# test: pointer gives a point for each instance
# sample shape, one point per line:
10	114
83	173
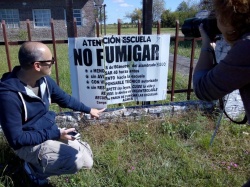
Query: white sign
118	69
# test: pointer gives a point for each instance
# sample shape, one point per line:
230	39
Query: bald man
30	128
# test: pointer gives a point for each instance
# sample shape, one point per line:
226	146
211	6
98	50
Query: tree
182	7
186	9
189	5
99	12
134	16
158	9
168	19
206	5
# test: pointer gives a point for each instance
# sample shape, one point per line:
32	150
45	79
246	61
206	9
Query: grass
173	151
170	151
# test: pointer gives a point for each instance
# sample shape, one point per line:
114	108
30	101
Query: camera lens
190	28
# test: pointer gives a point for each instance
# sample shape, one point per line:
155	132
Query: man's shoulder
48	78
10	85
49	81
246	36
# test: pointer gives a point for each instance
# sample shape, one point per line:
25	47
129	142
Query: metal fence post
175	59
54	49
6	43
28	29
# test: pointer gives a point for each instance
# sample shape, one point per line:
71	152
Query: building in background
40	12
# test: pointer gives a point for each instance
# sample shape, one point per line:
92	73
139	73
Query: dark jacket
25	118
232	73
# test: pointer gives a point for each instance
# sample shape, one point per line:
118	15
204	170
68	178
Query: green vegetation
168	17
173	151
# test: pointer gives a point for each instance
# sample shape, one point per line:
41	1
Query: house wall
58	8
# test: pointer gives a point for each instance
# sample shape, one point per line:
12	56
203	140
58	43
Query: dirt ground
182	66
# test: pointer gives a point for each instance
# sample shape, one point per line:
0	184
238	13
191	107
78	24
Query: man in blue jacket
30	128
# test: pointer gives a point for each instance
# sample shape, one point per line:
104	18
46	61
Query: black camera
190	27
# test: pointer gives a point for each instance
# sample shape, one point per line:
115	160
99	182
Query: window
77	13
41	17
11	17
78	16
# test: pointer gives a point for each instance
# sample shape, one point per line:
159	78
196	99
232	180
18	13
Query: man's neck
27	77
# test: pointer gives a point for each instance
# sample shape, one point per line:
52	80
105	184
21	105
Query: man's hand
95	112
64	134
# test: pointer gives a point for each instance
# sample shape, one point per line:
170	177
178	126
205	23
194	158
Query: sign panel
118	69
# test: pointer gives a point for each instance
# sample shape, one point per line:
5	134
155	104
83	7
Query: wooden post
147	14
70	18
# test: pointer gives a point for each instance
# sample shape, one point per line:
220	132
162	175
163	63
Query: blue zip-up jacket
25	118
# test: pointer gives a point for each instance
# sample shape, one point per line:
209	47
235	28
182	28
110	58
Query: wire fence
176	38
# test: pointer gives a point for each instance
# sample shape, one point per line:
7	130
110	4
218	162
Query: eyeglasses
52	61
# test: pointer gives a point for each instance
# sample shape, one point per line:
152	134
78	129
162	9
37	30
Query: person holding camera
212	81
30	128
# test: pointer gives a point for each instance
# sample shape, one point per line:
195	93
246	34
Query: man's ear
37	66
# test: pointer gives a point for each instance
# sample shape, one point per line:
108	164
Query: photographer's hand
206	58
207	44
